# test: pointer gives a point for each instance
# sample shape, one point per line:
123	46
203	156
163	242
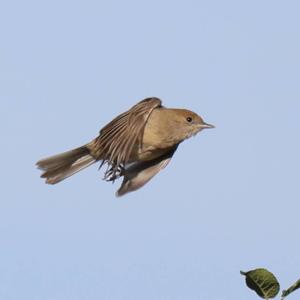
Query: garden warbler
135	145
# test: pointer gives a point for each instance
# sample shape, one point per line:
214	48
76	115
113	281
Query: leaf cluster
265	284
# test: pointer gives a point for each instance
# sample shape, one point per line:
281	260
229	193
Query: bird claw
115	172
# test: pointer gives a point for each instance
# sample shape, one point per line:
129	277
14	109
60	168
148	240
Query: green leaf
291	289
263	282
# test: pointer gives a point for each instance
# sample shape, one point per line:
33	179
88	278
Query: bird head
188	123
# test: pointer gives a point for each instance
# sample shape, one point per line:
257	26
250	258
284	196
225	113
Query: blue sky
229	200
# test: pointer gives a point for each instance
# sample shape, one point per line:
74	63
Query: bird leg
114	172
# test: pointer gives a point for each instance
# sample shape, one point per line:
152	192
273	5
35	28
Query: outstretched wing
118	138
138	174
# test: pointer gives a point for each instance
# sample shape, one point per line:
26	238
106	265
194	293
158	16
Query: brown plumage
136	145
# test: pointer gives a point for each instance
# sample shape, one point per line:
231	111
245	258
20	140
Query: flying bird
135	145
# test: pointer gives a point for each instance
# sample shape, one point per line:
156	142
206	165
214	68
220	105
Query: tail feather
61	166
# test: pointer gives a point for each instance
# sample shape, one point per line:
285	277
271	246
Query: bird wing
118	138
138	174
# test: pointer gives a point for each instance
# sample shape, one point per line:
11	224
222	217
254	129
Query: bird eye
189	119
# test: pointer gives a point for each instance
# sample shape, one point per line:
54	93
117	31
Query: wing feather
138	174
118	138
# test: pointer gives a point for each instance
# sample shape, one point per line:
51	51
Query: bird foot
114	173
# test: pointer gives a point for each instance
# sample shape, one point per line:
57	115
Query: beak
205	125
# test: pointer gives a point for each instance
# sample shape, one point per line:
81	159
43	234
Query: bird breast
157	138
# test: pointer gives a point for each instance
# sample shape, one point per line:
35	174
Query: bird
135	145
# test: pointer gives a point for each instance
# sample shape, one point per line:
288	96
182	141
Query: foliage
265	284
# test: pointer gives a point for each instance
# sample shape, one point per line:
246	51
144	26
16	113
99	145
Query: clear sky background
228	201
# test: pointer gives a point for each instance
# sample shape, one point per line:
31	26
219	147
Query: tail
61	166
